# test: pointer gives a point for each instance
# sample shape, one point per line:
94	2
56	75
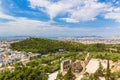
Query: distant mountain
50	37
83	37
89	36
13	37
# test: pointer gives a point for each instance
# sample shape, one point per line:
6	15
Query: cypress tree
108	70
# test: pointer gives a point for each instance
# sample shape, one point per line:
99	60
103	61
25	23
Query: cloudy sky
59	18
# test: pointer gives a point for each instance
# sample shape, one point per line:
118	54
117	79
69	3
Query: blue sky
59	18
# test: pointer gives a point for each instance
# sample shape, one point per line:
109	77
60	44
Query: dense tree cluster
68	76
40	45
44	45
25	73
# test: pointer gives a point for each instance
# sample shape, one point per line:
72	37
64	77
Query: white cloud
89	11
78	10
113	13
3	15
70	20
52	9
117	2
26	27
23	26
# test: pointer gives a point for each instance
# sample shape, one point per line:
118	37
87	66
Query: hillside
41	45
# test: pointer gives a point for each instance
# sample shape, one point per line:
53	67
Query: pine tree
59	76
69	75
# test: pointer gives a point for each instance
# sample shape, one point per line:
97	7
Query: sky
59	18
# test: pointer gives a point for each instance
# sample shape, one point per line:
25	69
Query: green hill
41	45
